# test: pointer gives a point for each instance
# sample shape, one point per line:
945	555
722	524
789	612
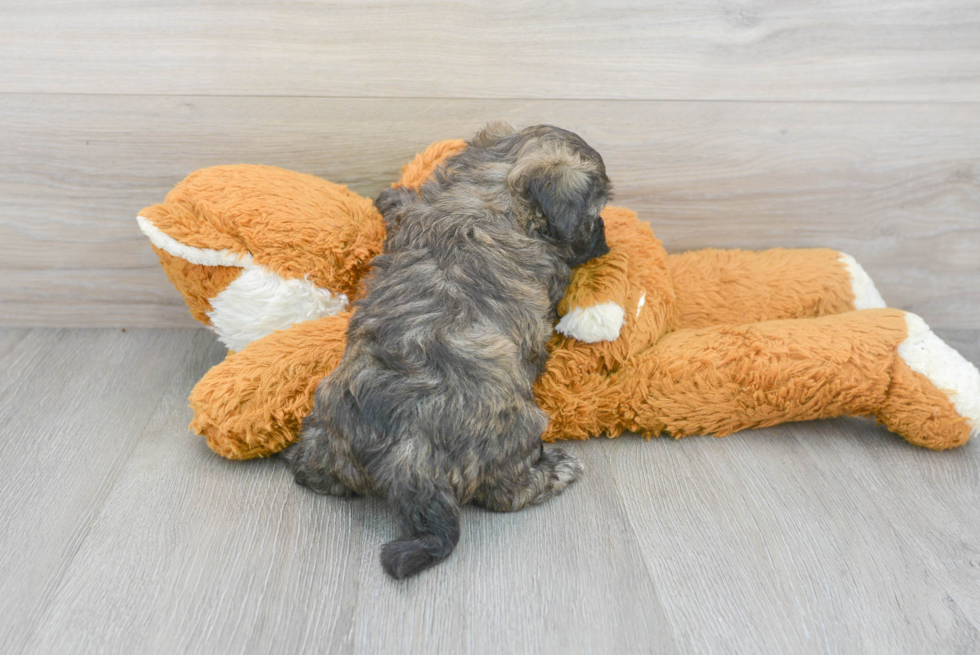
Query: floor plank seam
907	548
54	585
550	99
14	357
621	503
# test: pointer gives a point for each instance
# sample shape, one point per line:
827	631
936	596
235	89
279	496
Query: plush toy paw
934	397
252	404
601	322
866	295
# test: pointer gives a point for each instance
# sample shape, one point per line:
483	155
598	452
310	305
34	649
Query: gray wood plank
895	185
123	533
10	339
72	406
565	577
931	499
93	297
930	502
658	49
191	553
762	544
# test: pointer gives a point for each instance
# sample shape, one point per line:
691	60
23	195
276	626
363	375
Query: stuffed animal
705	342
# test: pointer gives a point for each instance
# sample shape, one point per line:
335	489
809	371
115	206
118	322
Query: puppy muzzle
594	245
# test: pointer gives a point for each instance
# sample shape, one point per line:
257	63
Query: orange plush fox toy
705	342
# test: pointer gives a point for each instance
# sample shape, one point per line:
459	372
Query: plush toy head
219	235
221	248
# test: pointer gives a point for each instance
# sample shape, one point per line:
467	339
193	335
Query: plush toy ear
417	171
255	249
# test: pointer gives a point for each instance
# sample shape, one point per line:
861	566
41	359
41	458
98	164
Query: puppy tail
431	520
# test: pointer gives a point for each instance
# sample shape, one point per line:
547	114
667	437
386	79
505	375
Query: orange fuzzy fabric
917	410
417	171
300	226
740	286
252	404
712	341
722	379
198	284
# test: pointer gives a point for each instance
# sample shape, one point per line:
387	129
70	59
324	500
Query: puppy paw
559	469
563	467
306	471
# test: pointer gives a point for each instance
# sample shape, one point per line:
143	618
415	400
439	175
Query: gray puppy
432	404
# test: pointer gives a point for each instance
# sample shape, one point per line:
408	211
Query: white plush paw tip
601	322
866	295
947	369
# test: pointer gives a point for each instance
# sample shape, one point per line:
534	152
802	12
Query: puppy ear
562	191
492	133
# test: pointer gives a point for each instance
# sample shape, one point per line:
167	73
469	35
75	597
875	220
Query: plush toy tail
431	519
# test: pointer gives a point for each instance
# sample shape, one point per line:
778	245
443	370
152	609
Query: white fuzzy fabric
866	295
202	256
600	322
929	355
260	302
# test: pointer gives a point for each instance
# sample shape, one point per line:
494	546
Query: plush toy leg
728	287
882	363
934	397
252	404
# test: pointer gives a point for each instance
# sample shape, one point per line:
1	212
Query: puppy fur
432	404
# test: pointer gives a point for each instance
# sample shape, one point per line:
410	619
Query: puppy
432	404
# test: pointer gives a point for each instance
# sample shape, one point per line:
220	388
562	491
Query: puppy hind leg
391	202
429	517
309	461
531	483
394	198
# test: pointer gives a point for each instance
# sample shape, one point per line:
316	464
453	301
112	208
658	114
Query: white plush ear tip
201	256
866	295
601	322
256	303
946	368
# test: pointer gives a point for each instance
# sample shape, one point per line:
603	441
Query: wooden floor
122	533
736	124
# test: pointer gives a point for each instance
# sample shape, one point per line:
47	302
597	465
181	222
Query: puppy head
563	180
